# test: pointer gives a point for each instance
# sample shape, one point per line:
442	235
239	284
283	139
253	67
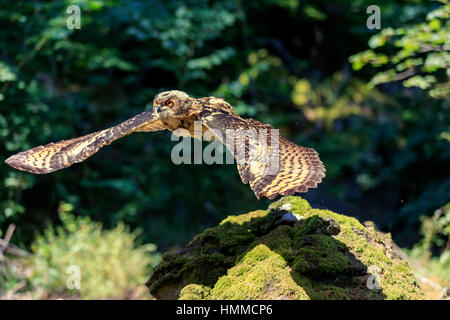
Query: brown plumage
296	168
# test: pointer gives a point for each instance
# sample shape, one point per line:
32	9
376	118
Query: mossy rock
289	251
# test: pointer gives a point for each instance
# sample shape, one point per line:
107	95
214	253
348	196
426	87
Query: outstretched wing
62	154
297	168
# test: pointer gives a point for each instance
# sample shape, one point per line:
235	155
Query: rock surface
289	251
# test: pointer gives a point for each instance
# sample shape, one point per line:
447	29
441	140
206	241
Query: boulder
289	251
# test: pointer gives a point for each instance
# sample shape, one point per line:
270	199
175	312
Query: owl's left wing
62	154
291	169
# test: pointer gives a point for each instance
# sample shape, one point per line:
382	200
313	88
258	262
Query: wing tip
17	162
14	161
303	188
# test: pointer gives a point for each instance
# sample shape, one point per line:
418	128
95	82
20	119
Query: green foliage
436	236
432	253
436	231
109	261
418	55
385	149
58	83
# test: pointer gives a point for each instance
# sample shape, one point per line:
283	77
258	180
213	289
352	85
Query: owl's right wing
281	167
62	154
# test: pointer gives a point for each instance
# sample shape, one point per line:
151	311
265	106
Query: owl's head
172	103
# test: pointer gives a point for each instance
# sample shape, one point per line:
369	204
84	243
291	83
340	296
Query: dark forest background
373	103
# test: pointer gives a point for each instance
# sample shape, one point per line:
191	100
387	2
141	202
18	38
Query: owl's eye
169	103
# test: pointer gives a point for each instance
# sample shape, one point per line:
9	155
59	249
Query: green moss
195	292
260	274
241	219
293	204
324	255
280	240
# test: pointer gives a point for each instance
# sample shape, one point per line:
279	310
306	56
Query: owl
297	168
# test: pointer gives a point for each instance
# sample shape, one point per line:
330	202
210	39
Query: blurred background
373	103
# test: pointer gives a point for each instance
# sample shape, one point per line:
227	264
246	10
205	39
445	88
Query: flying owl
298	168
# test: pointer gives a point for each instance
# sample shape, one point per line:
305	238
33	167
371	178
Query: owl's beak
162	111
